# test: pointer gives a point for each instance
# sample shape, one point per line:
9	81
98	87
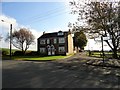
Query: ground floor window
62	49
42	50
62	40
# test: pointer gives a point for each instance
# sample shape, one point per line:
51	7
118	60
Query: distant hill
8	50
13	50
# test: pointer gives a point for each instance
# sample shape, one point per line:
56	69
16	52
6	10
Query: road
68	73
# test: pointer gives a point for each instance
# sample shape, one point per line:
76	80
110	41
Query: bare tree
22	39
103	19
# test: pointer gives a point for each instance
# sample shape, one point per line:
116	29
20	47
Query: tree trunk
115	54
22	49
27	46
114	48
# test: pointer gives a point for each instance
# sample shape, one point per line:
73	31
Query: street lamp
10	37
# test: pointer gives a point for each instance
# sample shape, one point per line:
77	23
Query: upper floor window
42	41
60	33
61	40
48	41
55	40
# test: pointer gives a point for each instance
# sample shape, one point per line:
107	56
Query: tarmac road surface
67	73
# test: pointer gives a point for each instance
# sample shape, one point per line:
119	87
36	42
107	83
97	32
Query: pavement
72	72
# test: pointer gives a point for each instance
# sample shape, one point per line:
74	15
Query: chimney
69	31
44	32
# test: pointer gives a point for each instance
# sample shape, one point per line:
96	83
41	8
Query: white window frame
48	41
42	50
42	41
62	49
55	40
61	40
60	33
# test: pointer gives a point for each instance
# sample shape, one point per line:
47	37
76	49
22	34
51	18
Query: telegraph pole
102	50
10	40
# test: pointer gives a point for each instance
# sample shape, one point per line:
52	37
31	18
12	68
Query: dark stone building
56	43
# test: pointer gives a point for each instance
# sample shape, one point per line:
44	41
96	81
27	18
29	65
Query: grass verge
36	58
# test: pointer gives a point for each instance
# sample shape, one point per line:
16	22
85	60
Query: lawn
7	57
36	57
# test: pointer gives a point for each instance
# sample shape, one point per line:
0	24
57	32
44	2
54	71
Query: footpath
84	59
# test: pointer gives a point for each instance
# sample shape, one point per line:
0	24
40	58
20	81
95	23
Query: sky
49	16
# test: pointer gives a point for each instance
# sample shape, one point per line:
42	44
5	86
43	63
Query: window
55	40
52	47
48	41
61	40
42	41
60	33
42	50
61	49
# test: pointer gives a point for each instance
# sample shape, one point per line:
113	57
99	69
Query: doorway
51	50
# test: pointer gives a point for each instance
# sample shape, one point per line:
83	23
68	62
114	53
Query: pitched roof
54	34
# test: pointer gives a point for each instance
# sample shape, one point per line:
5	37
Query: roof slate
54	34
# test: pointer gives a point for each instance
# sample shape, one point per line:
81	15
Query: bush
18	53
31	53
27	53
5	52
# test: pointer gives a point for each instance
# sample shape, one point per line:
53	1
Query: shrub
5	52
31	53
18	53
27	53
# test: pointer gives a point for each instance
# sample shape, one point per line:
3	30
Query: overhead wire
54	11
50	11
48	17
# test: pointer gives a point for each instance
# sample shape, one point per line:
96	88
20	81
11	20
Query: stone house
56	43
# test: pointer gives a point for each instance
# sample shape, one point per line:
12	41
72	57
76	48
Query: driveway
68	73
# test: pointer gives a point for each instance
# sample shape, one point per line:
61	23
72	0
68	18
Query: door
53	49
49	50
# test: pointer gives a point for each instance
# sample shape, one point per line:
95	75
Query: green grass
31	57
98	54
36	57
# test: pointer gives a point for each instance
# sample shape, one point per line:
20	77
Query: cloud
5	28
7	21
4	44
37	34
94	45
